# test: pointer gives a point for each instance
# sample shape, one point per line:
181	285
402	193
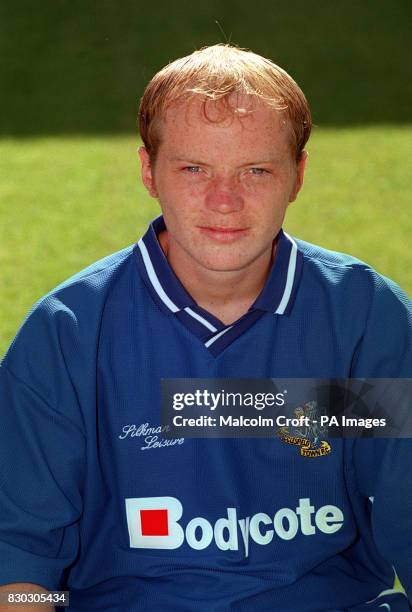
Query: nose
224	194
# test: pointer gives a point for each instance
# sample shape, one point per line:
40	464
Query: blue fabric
80	408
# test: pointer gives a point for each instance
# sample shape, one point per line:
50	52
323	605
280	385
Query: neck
226	294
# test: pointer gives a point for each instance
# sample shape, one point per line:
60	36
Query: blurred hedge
79	66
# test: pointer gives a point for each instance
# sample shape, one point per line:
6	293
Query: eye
258	171
192	169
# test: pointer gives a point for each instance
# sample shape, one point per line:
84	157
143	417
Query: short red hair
215	73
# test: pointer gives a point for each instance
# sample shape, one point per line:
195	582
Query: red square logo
154	522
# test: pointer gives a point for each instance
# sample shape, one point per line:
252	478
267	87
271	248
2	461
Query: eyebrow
188	160
202	163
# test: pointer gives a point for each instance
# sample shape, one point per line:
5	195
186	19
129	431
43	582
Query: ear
147	172
300	172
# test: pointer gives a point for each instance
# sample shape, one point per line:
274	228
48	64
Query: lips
225	229
224	234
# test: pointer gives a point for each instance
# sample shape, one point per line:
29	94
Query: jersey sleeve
385	349
383	473
42	453
384	466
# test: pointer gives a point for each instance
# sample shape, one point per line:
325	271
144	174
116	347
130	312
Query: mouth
224	234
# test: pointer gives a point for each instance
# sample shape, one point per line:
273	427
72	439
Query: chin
223	264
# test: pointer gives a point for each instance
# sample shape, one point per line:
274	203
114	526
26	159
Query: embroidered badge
308	433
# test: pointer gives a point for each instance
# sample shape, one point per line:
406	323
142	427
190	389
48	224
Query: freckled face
223	186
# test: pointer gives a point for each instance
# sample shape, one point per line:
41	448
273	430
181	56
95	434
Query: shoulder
96	277
371	304
325	259
68	317
340	271
88	288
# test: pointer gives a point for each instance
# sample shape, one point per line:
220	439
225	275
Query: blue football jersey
95	499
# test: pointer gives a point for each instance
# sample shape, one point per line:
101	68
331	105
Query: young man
93	498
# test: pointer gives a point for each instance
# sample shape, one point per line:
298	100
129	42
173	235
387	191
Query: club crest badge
307	433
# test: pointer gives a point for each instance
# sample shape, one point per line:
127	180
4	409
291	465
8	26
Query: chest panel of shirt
203	474
140	345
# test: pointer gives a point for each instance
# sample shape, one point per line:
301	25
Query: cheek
267	187
180	208
264	191
181	189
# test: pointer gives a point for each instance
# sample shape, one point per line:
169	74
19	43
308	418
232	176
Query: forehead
241	124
